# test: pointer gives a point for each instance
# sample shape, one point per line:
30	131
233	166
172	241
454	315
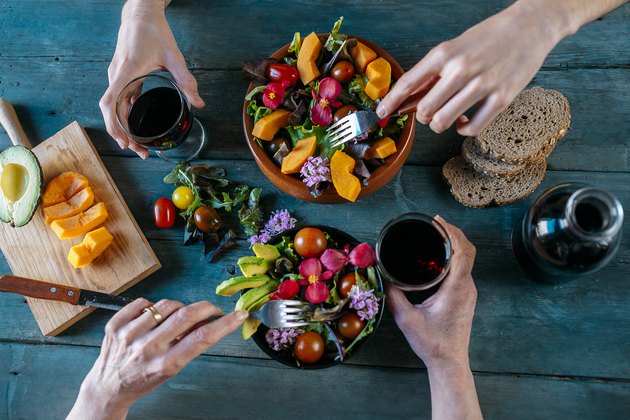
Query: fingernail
242	315
120	143
380	111
438	218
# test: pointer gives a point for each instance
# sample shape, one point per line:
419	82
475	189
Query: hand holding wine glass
145	44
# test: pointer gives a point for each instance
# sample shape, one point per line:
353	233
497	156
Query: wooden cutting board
35	251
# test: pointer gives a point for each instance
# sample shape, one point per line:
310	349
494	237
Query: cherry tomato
350	325
343	71
182	197
164	213
207	219
281	72
344	111
310	242
346	282
309	347
274	145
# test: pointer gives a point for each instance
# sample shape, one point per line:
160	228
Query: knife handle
11	124
39	289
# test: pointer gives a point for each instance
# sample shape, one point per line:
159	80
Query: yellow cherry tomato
182	197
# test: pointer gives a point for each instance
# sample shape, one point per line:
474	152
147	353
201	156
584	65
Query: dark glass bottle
570	230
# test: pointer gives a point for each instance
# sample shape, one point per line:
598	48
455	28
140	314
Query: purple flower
316	170
261	238
279	338
280	221
364	302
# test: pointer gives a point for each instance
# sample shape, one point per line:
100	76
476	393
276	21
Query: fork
357	123
283	313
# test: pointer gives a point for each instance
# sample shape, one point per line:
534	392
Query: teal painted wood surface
538	351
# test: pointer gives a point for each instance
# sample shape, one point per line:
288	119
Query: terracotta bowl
294	186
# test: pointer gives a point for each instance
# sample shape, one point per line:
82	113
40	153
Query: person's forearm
135	8
453	394
95	404
570	15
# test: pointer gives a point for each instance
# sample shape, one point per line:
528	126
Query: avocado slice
252	296
250	326
20	185
266	251
233	285
250	266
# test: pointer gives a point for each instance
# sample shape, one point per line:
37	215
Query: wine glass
153	112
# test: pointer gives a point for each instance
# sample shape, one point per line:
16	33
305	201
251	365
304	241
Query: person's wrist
143	8
101	402
554	19
447	364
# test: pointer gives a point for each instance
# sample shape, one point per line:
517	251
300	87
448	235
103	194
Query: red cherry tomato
309	347
350	325
343	71
310	242
346	282
282	72
164	213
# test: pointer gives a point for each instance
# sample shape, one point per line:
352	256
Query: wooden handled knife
62	293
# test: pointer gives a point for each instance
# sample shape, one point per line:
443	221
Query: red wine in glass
154	113
413	251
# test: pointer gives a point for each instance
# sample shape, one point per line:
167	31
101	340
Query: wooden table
537	351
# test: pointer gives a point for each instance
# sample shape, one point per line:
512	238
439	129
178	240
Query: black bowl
341	238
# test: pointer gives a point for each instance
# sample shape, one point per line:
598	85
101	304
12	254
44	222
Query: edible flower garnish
315	171
279	221
334	260
364	301
312	275
287	290
279	338
362	256
321	113
273	94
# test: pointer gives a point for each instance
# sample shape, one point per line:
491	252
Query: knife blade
62	293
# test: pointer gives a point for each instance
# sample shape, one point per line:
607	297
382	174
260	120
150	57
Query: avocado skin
38	178
250	266
252	296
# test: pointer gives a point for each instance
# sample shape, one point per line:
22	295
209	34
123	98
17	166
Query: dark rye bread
528	130
485	164
473	189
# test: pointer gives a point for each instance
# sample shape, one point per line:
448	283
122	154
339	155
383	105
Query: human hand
489	64
138	354
438	329
145	44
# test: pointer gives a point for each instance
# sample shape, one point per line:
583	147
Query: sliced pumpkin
62	187
362	55
293	162
307	57
81	223
379	75
267	127
381	148
347	185
79	202
93	245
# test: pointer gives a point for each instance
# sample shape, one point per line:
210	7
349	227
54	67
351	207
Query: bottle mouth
594	213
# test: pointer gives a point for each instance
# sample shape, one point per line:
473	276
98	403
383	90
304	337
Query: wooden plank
198	25
213	387
520	326
35	251
599	139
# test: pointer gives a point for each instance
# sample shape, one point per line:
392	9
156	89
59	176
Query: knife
50	291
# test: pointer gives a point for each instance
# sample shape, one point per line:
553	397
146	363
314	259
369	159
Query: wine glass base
190	148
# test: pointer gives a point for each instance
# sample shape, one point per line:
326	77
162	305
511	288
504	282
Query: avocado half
20	185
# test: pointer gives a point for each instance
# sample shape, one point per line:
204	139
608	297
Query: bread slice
528	130
485	164
473	189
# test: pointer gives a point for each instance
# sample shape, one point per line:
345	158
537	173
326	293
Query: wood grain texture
225	388
34	251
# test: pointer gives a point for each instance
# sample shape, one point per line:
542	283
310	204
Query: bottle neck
592	214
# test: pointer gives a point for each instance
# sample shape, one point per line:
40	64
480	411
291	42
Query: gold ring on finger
156	314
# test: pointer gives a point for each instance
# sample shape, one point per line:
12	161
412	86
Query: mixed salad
318	267
320	81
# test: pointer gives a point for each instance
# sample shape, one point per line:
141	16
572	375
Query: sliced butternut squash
347	185
362	55
381	148
93	245
81	223
62	187
306	63
293	162
267	127
379	74
79	202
